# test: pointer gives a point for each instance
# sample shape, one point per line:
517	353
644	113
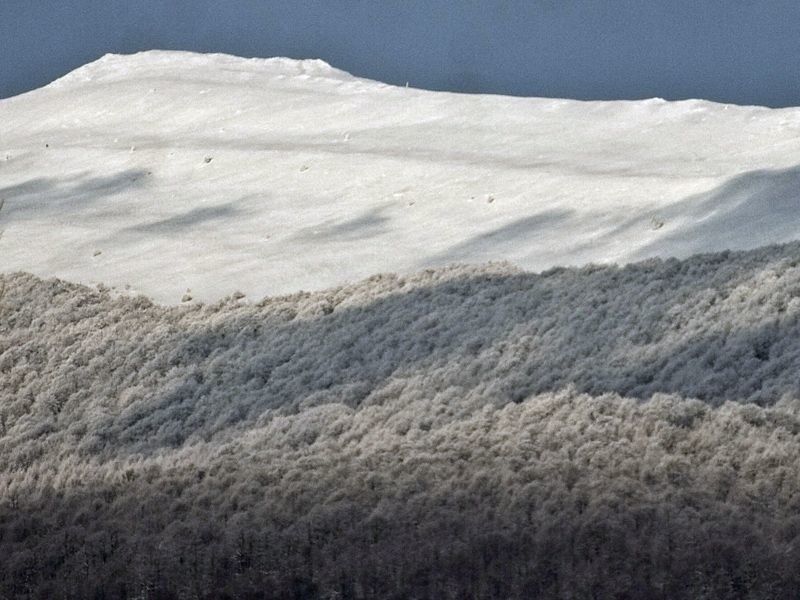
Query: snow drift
169	171
475	431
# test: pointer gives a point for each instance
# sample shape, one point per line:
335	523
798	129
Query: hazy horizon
618	50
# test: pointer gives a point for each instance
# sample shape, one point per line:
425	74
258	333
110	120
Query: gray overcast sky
739	51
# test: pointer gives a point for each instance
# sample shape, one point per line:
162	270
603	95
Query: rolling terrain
545	349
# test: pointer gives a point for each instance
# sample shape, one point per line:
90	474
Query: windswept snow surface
168	171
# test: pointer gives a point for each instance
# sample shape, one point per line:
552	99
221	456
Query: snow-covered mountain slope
170	171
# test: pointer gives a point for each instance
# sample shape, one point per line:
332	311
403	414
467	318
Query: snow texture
166	170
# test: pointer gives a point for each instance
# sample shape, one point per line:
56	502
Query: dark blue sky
739	51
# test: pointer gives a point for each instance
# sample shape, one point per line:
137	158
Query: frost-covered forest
496	386
465	432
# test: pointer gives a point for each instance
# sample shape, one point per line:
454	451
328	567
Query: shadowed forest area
466	432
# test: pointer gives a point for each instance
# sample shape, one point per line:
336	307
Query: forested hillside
467	432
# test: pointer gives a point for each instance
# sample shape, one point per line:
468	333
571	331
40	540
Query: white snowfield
171	171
